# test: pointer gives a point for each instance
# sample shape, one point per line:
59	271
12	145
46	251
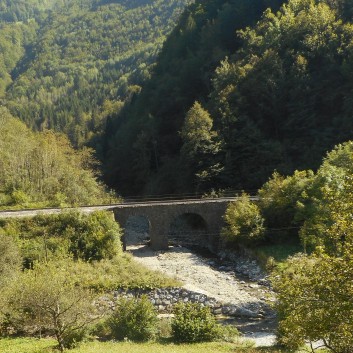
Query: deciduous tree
49	299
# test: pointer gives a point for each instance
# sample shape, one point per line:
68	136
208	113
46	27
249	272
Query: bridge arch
189	229
137	229
161	215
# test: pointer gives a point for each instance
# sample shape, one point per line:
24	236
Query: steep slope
86	58
279	98
144	139
42	169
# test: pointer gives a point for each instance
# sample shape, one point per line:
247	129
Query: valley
244	106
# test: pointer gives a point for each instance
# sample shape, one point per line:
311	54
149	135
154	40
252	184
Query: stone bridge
161	214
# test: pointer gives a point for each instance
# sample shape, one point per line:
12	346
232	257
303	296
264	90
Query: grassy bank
272	255
32	345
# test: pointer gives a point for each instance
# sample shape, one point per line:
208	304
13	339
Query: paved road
126	204
34	212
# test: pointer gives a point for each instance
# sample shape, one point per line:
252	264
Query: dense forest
240	88
267	86
66	65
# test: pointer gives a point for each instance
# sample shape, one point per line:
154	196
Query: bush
74	337
194	323
134	319
328	211
10	265
19	197
228	333
282	200
90	237
315	302
95	236
49	299
10	259
244	222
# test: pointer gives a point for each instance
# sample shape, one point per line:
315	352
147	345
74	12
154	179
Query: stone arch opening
189	230
137	230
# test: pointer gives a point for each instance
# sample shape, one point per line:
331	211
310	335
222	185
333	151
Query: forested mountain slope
144	151
67	64
273	91
42	169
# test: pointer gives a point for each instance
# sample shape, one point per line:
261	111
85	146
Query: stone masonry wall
164	300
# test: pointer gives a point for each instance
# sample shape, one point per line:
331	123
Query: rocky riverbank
236	290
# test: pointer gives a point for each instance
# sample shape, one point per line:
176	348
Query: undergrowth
31	345
275	255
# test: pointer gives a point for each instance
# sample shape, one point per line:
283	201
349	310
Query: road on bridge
125	204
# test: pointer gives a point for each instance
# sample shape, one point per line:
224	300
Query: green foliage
43	169
10	260
194	323
120	272
203	36
314	302
244	222
49	299
20	198
197	132
90	237
17	10
134	319
10	266
74	338
272	256
281	202
34	345
200	146
272	99
328	207
314	294
70	64
228	333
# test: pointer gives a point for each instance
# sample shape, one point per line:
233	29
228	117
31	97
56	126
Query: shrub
134	319
228	333
329	208
95	236
315	302
194	323
19	197
74	337
244	222
10	265
49	299
90	237
282	200
10	259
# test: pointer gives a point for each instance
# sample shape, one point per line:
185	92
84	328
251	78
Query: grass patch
27	345
32	345
275	255
124	272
